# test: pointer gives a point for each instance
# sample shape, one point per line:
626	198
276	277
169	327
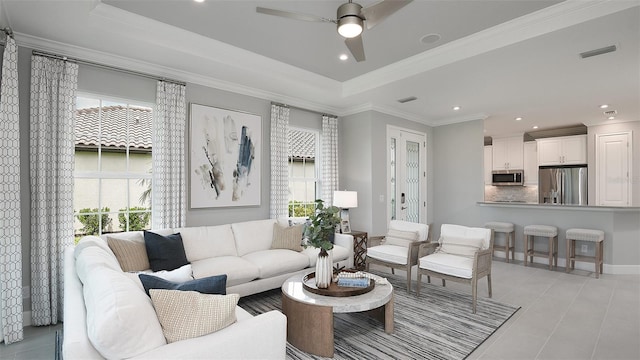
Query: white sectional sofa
107	313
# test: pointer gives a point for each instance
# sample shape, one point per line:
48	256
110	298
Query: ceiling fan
350	19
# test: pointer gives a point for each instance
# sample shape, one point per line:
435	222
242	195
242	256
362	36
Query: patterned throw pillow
131	254
460	246
401	237
287	237
188	314
165	252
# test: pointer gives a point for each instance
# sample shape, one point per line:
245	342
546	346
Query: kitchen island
621	226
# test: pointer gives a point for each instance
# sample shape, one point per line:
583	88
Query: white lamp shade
345	199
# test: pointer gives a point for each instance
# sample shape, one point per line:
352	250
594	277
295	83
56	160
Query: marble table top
379	296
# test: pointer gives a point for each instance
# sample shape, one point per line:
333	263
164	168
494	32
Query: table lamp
345	200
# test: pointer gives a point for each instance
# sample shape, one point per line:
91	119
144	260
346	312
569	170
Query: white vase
324	269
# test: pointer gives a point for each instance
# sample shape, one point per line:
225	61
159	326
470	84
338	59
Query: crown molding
544	21
460	119
37	43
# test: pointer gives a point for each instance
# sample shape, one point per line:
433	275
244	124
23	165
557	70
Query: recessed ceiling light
611	117
518	118
535	126
456	108
604	106
199	1
343	57
430	38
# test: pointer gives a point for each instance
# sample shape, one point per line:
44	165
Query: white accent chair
462	254
400	247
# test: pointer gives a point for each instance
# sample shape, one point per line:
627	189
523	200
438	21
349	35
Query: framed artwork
224	154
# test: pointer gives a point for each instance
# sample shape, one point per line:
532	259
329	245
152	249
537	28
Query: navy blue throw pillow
209	285
165	252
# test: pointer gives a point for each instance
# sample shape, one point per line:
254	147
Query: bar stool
547	231
510	237
595	236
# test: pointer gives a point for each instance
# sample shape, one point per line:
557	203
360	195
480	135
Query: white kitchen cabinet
488	167
507	153
530	159
613	164
564	150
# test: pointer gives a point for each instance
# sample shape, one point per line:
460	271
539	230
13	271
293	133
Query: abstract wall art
225	152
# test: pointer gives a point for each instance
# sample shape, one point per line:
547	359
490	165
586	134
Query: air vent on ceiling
604	50
407	99
610	112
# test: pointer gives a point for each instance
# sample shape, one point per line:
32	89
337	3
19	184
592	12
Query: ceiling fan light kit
349	22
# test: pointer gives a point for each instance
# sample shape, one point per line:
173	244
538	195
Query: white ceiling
496	59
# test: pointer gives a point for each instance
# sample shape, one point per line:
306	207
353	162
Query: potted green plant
319	233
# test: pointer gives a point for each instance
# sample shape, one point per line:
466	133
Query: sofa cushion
121	321
459	246
251	236
165	252
208	285
338	253
459	266
238	270
275	262
389	253
401	237
287	237
188	314
90	241
131	254
204	242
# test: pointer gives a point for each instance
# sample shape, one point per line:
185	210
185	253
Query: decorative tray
309	284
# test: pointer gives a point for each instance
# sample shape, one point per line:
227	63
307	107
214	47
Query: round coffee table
310	316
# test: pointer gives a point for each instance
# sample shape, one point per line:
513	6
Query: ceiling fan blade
290	15
356	48
375	13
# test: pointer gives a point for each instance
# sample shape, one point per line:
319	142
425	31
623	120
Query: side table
359	248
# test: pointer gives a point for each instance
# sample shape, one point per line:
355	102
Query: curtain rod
303	109
107	67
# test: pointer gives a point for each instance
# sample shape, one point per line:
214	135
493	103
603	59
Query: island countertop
538	206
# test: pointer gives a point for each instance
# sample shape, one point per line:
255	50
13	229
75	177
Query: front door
406	175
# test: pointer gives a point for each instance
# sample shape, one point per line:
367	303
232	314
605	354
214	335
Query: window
113	144
303	171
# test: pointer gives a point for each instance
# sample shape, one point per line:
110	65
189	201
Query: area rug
438	325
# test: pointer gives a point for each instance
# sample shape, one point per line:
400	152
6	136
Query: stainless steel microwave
507	177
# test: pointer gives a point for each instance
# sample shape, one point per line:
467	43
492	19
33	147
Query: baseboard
606	269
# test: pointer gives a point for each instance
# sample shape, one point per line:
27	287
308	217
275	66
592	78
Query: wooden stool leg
551	253
568	252
526	249
555	254
513	245
573	254
507	245
601	256
598	254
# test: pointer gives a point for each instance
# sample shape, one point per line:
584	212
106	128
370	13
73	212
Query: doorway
406	175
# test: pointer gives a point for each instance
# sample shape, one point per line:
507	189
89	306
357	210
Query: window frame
100	175
317	164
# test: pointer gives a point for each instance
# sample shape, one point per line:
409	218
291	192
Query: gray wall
363	164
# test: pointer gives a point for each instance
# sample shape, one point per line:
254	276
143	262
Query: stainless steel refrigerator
562	184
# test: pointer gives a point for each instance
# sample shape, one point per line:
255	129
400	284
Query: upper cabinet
507	153
530	163
565	150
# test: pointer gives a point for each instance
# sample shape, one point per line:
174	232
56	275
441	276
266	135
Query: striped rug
438	325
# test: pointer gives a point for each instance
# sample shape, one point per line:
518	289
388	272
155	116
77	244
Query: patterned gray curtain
169	189
53	101
279	162
329	158
10	234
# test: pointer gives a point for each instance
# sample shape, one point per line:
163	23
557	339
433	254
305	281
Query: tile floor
563	316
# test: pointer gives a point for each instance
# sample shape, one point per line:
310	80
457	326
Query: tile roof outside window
114	127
